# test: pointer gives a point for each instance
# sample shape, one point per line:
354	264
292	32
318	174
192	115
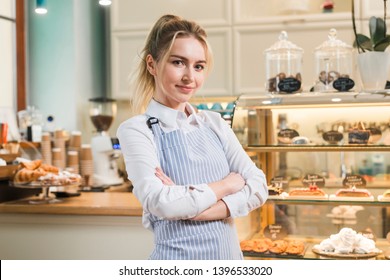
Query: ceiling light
40	7
105	2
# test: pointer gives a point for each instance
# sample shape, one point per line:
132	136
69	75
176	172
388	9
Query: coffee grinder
102	112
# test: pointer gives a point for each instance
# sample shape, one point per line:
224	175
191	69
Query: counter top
88	203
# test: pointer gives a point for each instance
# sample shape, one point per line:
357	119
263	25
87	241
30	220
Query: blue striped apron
192	158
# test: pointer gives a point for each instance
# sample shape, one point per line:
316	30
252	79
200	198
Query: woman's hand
232	183
164	178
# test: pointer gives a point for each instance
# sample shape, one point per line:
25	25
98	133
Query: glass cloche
283	66
333	65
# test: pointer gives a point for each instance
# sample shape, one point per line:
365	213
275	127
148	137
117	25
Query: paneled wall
239	32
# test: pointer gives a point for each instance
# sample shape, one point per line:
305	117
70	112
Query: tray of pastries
266	247
347	244
33	174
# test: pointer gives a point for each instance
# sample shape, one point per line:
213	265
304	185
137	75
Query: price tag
343	84
313	180
275	232
332	136
279	181
289	85
354	181
285	135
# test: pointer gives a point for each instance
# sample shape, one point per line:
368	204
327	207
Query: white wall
7	54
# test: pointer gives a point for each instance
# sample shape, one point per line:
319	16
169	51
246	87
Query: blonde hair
158	44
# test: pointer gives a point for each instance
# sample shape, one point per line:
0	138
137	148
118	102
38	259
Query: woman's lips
185	89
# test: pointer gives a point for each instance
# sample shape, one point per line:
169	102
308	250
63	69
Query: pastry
274	190
50	168
310	191
31	165
386	194
278	246
295	247
62	178
247	245
262	245
347	241
353	192
24	175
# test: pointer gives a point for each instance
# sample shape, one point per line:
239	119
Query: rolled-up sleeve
140	156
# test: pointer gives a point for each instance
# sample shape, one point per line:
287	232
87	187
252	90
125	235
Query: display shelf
266	124
317	148
384	248
290	201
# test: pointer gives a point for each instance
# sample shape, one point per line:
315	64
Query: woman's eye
177	62
199	67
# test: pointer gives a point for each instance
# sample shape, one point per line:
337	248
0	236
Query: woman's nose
188	75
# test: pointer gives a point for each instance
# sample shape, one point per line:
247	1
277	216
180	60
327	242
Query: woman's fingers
163	177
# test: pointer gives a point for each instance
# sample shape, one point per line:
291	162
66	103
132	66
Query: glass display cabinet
327	161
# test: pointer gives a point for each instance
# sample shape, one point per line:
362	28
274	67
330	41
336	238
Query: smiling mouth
185	89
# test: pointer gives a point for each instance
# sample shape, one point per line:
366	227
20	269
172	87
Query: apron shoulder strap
154	125
151	121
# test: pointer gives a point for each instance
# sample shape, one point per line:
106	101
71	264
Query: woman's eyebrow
185	59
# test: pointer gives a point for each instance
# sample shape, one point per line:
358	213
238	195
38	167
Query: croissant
25	175
49	168
31	165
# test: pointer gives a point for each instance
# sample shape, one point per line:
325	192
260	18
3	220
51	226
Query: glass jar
333	65
283	66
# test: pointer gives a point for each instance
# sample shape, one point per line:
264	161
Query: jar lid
283	44
333	43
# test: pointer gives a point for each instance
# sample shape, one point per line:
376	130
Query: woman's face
182	75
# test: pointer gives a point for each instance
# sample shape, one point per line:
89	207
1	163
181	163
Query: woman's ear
151	65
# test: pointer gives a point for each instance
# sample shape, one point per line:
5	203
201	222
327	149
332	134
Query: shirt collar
166	115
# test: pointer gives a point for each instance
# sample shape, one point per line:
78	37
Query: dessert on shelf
346	242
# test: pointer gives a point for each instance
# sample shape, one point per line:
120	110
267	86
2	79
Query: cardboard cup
73	158
46	137
86	152
75	140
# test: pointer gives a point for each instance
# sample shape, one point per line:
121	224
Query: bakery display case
327	161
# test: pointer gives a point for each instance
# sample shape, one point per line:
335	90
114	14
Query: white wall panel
7	8
133	15
373	8
126	49
264	11
220	82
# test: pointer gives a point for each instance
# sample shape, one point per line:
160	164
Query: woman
188	169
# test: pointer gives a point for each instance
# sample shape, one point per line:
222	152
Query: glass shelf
317	148
284	201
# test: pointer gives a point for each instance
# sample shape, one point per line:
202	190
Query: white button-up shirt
183	202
